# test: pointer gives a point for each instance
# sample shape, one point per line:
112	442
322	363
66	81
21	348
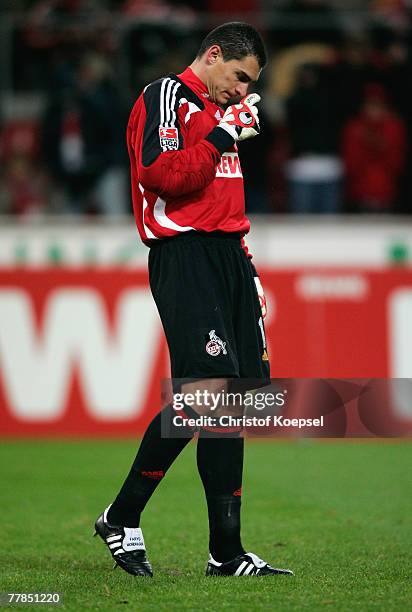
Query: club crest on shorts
215	345
169	138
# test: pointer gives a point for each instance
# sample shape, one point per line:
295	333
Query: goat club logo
215	345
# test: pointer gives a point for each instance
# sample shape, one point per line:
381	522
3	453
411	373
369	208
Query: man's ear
213	54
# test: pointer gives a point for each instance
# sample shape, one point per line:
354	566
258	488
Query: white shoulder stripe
168	91
161	106
172	105
169	88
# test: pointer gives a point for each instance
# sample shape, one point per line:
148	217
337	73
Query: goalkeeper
188	201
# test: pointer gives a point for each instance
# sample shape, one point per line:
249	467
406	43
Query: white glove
241	120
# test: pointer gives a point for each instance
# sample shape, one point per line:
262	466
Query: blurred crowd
336	110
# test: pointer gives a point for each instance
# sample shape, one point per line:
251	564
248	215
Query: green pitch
338	513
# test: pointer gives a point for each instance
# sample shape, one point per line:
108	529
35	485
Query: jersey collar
190	79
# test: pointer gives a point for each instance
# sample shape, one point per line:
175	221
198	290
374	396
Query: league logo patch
169	138
215	345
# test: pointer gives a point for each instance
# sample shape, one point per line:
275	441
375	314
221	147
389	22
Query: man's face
231	79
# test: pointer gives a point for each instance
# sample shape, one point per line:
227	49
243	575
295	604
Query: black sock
220	464
155	455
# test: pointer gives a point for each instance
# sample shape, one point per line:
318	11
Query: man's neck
199	70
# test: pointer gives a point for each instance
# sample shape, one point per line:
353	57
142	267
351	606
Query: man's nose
241	89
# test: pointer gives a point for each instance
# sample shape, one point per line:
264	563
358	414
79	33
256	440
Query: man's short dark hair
236	40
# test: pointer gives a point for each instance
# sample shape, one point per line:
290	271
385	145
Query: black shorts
204	289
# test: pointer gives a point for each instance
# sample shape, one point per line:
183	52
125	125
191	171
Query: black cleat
126	545
247	564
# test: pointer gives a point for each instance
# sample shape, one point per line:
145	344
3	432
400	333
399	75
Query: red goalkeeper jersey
185	171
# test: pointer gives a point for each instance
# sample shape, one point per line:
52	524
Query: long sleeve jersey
185	170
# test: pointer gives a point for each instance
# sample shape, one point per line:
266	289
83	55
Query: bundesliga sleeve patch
169	138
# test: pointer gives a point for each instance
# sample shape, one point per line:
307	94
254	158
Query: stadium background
328	189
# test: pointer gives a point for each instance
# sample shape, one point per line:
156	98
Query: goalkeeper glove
241	120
